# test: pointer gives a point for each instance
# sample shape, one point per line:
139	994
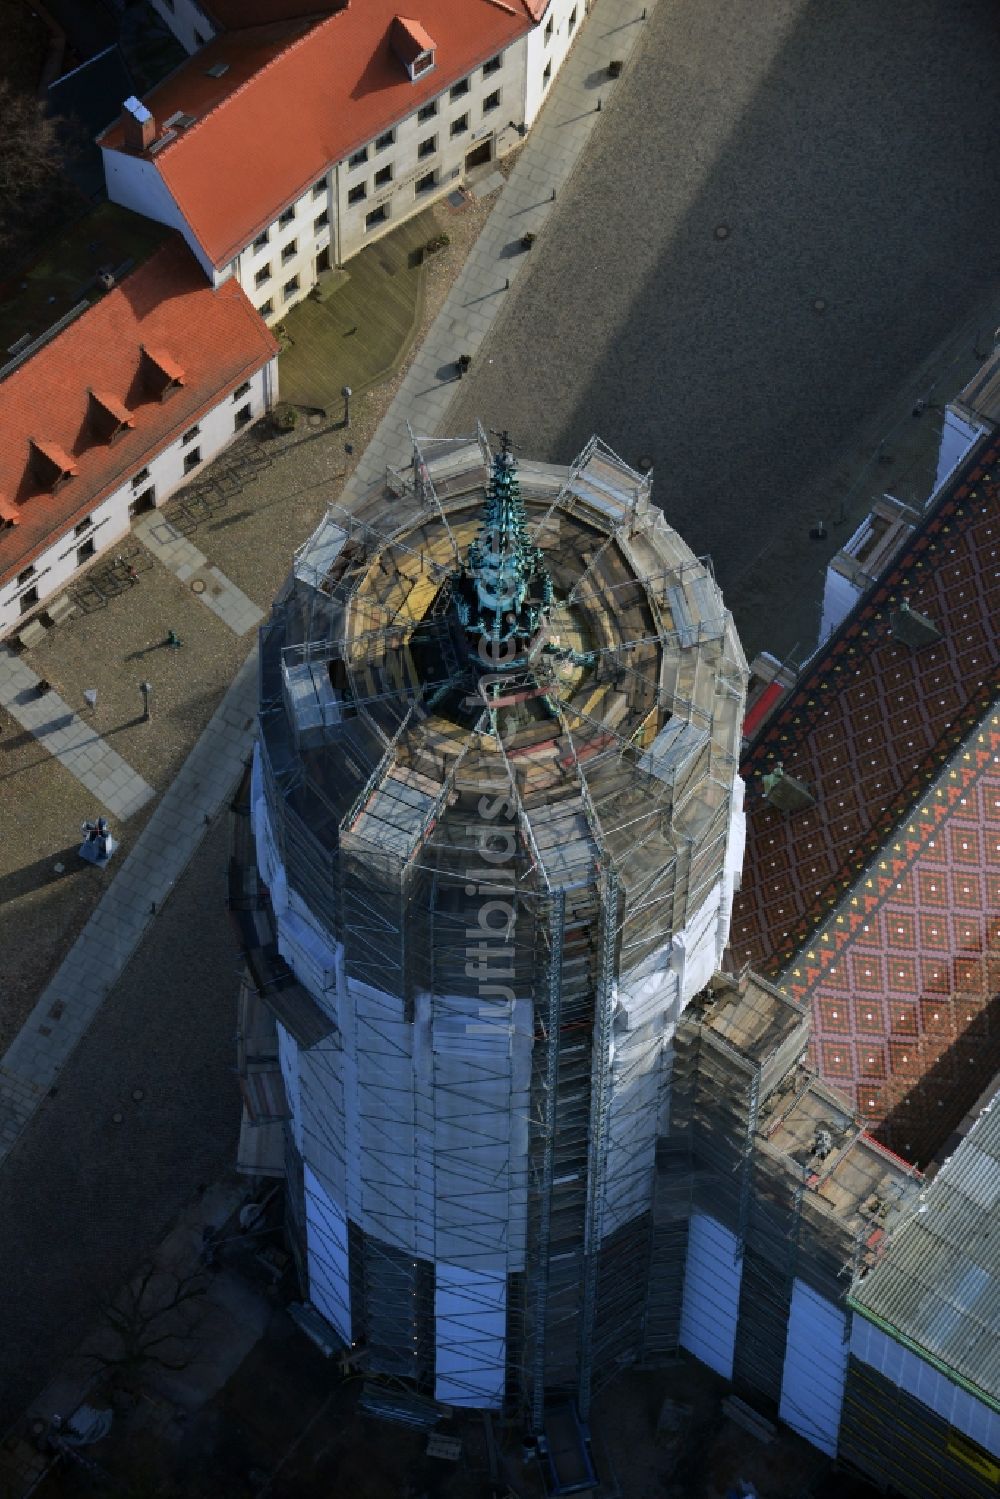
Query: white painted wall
135	182
58	564
187	21
926	1384
447	160
839	594
812	1384
549	51
308	239
710	1304
957	437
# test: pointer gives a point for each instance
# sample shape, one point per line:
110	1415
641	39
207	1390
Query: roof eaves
147	456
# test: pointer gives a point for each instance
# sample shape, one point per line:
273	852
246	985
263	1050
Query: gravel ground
116	647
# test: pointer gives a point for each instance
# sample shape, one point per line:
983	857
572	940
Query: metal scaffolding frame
494	1157
760	1145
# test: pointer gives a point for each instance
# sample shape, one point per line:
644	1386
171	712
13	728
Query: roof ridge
191	130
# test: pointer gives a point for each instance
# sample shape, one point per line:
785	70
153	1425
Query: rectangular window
190	434
493	66
242	417
383	176
547	75
28	600
290	288
459	89
288	251
192	459
266	309
84	553
572	20
286	217
383	142
359	158
491	102
260	241
357	194
29	572
421	64
319	188
264	274
427	147
321	221
140	478
241	390
459	126
376	217
548	29
424	184
83	525
427	112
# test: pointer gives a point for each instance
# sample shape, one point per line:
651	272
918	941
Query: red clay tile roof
166	304
249	154
871	722
410	39
904	978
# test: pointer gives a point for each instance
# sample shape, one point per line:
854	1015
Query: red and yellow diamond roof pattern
902	980
875	730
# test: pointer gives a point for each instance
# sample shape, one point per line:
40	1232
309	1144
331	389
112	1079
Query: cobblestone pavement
788	208
159	1005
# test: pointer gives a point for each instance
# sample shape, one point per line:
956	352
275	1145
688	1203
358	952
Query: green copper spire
504	591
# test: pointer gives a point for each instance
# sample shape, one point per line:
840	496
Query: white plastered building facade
409	162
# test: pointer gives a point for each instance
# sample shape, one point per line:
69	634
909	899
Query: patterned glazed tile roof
872	721
879	905
903	978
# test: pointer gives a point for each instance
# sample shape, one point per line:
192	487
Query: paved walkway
143	881
192	567
173	833
118	789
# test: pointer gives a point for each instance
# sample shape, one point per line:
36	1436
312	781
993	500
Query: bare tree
152	1320
31	156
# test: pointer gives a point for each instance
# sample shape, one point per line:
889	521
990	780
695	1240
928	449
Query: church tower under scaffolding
498	822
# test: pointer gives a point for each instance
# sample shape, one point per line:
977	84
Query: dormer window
50	464
413	46
162	375
108	417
